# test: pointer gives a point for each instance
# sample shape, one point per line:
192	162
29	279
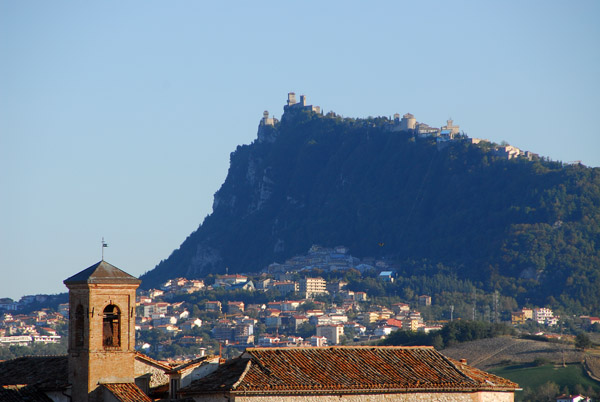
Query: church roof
48	373
339	369
22	393
102	272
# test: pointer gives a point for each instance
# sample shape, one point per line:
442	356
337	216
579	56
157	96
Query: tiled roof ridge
341	347
151	360
239	381
473	370
193	362
455	364
346	370
371	390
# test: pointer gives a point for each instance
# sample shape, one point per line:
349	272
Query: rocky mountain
528	227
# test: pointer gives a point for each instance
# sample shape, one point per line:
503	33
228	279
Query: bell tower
101	329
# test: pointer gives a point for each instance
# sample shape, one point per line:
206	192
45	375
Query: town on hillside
285	305
103	362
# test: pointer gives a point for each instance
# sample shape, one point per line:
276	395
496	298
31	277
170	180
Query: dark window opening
79	316
111	333
174	388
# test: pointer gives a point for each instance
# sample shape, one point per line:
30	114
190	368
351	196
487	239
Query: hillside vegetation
507	350
528	228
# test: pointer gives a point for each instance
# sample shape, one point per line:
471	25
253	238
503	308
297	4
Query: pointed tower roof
102	272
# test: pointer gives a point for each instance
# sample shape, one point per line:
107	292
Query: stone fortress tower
293	105
408	122
101	330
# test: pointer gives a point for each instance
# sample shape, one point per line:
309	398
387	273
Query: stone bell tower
101	329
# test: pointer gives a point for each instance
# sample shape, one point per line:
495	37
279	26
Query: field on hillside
533	377
592	363
504	351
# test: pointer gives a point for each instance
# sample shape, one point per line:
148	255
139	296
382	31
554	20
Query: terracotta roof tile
161	364
190	364
17	393
345	370
102	272
127	392
45	372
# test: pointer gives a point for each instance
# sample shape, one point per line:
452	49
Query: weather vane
104	244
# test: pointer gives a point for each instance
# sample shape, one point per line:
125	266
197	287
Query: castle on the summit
265	133
292	105
409	124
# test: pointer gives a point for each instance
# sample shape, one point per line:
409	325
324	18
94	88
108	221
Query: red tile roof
18	393
48	373
102	272
127	392
190	364
362	369
148	360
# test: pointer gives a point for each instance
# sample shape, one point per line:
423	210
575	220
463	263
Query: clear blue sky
117	118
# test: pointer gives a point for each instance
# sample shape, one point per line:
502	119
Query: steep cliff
314	179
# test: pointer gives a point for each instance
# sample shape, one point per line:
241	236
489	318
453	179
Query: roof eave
351	391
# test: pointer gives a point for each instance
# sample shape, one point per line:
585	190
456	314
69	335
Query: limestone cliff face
314	179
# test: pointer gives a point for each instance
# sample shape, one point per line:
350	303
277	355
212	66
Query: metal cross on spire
104	244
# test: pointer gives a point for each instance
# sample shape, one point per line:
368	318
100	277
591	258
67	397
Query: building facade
310	287
101	329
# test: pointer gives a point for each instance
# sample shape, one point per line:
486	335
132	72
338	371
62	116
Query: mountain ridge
323	179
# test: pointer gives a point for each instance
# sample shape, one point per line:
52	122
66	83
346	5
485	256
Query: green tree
547	392
583	341
306	330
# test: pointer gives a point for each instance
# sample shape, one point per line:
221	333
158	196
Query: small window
111	326
79	321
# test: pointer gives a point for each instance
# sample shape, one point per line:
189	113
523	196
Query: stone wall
159	377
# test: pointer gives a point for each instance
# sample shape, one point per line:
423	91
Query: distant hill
505	350
529	228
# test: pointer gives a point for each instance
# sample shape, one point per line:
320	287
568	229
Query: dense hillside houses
102	364
542	315
328	259
307	310
37	327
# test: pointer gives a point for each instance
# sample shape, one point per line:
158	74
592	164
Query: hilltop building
450	129
408	122
266	120
424	130
293	105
